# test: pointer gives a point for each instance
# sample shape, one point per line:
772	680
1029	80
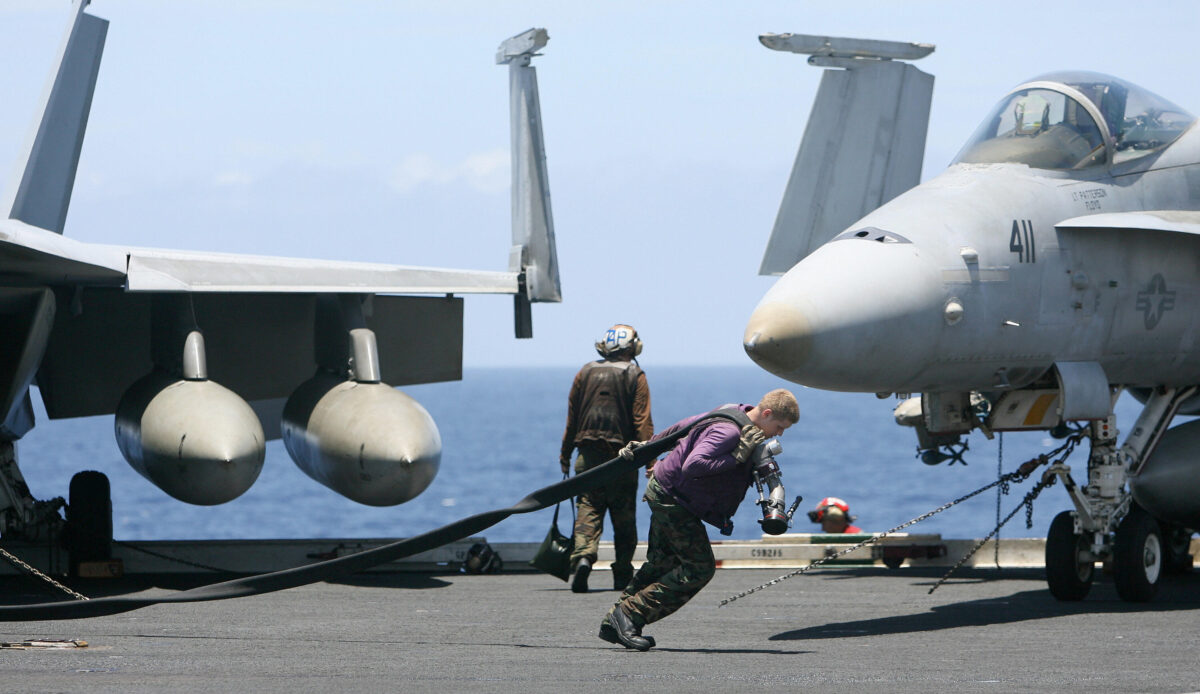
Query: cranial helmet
618	339
831	505
481	559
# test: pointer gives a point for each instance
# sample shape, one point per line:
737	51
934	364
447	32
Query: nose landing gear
1070	564
1137	556
1106	523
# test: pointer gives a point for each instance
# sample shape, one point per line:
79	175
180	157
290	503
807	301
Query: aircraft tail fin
40	190
863	144
533	253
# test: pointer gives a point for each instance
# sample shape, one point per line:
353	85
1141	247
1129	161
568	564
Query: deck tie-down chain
1018	475
1046	481
167	557
17	562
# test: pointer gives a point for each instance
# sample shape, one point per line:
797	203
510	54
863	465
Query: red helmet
830	502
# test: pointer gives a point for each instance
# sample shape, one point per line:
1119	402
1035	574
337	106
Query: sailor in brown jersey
608	407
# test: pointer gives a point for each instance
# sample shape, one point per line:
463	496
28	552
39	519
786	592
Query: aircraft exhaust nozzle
1167	481
367	441
195	439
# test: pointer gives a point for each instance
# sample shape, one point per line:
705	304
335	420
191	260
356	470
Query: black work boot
579	576
621	579
609	634
626	633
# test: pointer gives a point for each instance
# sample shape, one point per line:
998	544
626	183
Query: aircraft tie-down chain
23	566
17	562
176	560
1018	475
1046	481
1026	468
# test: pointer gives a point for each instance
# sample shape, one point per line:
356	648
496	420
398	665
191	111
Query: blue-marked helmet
618	339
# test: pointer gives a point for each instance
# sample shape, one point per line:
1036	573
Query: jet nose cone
854	316
777	337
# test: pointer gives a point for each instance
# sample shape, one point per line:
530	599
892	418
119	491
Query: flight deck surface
846	629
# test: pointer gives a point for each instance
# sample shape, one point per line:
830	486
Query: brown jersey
609	401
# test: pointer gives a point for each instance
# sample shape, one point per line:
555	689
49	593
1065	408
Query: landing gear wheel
1138	556
1069	564
89	529
1177	540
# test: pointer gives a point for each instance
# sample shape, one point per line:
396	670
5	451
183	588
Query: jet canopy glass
1073	120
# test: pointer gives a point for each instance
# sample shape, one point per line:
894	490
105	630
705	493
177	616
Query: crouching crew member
834	516
702	480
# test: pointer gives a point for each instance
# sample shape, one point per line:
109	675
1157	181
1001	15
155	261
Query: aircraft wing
46	258
203	356
260	313
96	311
1180	221
163	270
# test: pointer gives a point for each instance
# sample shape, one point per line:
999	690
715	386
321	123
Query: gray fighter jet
203	357
1053	265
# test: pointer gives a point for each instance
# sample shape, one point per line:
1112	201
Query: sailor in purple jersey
702	480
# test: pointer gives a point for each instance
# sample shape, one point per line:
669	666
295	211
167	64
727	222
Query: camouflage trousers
679	561
619	499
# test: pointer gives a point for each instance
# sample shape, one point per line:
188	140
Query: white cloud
233	178
487	172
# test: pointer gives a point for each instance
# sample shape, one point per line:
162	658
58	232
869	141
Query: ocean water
501	430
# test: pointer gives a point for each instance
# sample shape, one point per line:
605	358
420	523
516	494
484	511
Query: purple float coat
701	472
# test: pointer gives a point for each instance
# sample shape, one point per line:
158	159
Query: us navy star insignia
1155	301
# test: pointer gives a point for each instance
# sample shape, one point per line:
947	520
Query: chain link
1019	475
871	540
21	565
177	560
1001	491
143	550
1027	502
16	561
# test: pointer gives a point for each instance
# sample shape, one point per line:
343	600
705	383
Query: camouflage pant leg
658	563
679	562
618	499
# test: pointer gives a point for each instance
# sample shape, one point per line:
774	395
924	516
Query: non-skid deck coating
841	630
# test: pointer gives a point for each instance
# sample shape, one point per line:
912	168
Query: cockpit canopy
1074	120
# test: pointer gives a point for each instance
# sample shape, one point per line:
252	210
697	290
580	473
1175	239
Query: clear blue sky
378	131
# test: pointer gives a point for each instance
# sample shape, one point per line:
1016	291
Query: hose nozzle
775	520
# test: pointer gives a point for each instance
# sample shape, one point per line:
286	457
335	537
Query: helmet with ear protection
830	502
481	559
618	339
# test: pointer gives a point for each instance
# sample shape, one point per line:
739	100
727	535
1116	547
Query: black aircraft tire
89	530
1138	556
1177	541
1069	578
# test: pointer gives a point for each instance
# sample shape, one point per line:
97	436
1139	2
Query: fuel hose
333	569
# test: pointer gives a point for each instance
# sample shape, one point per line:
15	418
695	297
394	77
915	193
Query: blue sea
501	430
